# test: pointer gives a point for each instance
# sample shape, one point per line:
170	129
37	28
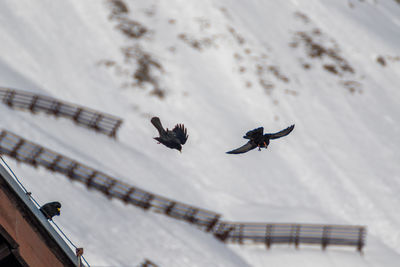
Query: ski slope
224	67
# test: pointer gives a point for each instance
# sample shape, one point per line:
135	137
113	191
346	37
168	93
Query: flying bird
173	139
259	139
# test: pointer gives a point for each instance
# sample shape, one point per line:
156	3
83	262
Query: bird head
179	147
176	146
58	207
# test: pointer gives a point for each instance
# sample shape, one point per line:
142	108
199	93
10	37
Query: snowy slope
225	67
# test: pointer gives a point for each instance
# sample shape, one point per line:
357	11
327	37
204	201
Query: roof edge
55	242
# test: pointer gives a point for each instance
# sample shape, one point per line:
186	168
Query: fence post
292	234
71	170
14	152
90	179
53	165
127	196
169	208
212	224
94	123
145	202
115	128
55	107
35	155
107	190
32	105
268	235
241	234
297	236
8	98
224	235
360	244
2	135
325	237
219	231
77	114
189	216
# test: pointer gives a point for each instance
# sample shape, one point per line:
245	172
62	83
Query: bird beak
58	209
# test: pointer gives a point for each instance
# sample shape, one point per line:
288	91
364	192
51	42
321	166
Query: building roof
36	220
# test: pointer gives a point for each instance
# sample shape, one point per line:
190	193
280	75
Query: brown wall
32	247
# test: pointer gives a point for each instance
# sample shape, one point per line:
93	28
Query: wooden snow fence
230	232
33	154
291	233
98	121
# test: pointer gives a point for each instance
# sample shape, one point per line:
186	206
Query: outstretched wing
254	133
243	149
281	133
181	133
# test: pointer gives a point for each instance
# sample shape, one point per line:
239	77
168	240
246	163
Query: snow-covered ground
221	68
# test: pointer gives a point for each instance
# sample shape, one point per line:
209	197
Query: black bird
258	139
173	139
51	209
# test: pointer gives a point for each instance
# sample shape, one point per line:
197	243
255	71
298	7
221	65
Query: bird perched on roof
259	139
51	209
173	139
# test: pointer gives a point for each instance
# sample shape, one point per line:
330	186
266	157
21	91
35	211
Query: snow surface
339	166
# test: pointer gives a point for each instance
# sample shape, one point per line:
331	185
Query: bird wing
253	133
181	133
243	149
280	134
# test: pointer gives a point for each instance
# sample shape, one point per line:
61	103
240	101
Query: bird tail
157	123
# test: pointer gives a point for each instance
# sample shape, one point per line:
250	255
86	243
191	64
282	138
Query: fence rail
33	154
232	232
98	121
